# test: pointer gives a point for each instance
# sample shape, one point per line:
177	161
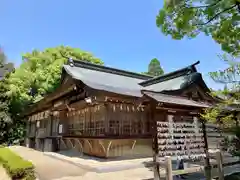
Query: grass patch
16	167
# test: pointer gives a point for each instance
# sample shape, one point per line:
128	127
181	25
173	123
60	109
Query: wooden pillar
107	115
207	158
220	165
168	164
156	168
51	123
219	130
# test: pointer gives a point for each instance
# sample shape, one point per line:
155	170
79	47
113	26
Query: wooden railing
216	169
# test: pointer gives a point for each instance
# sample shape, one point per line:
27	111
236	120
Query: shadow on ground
77	154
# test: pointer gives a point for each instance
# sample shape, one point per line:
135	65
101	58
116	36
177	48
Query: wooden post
156	168
219	165
168	166
207	167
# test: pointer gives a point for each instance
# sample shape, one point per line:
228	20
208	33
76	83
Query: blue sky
122	33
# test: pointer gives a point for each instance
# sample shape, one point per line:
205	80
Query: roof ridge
88	65
174	74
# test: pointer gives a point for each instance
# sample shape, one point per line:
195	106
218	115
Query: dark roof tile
164	98
125	82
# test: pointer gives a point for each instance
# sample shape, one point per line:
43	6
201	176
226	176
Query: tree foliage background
5	116
38	75
219	19
154	68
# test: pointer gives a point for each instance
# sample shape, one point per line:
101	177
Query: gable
198	93
169	76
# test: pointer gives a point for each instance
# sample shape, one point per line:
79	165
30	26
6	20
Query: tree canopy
3	58
218	18
154	68
39	73
5	116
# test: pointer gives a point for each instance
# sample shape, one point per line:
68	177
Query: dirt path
48	168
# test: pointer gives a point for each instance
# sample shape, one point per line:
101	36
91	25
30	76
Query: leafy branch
218	14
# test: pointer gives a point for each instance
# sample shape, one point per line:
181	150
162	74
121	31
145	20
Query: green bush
16	167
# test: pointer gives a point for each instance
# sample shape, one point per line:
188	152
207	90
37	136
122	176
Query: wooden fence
168	171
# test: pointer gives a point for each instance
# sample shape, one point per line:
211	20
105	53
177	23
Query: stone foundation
109	147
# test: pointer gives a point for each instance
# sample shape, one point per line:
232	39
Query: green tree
218	18
154	68
39	73
230	94
3	58
224	112
5	116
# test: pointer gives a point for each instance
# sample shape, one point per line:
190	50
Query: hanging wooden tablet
180	137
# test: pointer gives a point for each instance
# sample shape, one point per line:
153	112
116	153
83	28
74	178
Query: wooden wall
108	119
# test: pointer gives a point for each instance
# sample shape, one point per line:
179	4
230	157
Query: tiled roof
127	83
164	98
112	82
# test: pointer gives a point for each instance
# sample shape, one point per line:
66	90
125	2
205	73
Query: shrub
16	167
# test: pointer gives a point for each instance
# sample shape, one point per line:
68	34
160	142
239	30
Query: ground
49	167
3	174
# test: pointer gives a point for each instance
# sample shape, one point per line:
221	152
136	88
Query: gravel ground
48	168
3	174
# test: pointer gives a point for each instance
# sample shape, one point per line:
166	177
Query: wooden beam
178	110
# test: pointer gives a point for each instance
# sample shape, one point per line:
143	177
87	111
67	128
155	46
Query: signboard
180	137
38	124
60	128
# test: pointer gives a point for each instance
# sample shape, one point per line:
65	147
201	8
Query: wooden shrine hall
107	112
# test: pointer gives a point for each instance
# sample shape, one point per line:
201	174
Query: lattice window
77	122
148	124
70	123
99	120
114	127
126	127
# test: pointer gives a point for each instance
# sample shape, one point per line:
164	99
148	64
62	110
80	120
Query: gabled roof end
181	72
